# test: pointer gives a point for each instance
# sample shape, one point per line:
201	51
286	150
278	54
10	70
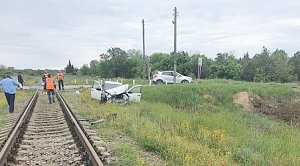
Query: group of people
50	85
9	85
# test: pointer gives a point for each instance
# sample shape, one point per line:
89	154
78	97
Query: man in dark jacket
21	80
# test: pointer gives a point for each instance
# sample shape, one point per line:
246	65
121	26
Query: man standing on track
9	89
50	88
45	75
60	80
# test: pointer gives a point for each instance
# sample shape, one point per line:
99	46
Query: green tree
134	64
226	66
85	70
183	63
280	70
262	64
160	61
94	68
105	66
295	64
247	68
70	68
118	59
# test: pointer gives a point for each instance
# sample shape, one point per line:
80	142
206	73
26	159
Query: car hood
117	90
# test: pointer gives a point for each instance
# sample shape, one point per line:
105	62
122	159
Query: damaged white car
111	91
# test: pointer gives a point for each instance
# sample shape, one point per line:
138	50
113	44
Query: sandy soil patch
244	99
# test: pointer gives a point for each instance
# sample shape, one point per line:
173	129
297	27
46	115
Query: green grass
198	124
21	96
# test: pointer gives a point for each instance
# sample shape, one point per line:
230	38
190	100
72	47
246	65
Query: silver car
163	77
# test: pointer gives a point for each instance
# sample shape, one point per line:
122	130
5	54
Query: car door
168	76
178	78
96	91
135	93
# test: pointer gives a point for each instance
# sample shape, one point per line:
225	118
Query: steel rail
15	133
84	140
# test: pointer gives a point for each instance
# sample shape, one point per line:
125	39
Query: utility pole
199	68
144	57
175	38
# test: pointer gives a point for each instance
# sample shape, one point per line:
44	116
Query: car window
96	85
167	73
135	90
179	75
110	86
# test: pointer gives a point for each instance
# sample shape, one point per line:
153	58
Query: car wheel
184	81
159	82
125	97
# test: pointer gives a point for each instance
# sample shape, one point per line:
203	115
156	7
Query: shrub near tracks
198	124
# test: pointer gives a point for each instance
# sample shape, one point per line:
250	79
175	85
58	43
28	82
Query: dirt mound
283	109
244	99
279	108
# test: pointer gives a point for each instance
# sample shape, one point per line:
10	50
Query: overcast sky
41	34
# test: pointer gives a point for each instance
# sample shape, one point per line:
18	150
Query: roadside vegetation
265	66
199	124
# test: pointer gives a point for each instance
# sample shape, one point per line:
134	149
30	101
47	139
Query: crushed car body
111	91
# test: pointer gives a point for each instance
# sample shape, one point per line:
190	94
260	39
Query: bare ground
278	108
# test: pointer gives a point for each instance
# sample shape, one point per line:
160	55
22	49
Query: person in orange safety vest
50	87
60	80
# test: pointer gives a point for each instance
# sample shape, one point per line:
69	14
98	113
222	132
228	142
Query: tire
184	81
159	82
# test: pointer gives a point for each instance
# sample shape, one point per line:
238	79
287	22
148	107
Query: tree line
265	66
69	69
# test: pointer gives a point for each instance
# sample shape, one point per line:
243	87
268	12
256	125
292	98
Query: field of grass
198	124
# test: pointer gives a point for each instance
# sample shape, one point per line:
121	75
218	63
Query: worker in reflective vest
50	87
60	80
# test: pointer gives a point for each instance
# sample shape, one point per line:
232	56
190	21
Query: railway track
48	134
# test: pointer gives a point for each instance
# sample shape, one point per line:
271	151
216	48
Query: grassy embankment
21	97
198	124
